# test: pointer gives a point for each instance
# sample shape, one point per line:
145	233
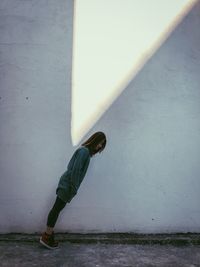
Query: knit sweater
72	178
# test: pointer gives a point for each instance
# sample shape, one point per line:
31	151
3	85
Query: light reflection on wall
112	41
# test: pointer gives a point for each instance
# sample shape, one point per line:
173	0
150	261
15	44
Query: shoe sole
44	244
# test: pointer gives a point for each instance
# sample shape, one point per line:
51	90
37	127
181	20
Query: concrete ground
27	251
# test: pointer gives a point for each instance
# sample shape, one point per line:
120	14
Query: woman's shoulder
83	151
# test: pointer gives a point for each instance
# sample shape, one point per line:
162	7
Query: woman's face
99	147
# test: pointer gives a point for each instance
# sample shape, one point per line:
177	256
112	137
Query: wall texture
146	180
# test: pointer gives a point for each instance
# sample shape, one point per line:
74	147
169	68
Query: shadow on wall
149	174
35	82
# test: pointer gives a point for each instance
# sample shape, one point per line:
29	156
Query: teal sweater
73	176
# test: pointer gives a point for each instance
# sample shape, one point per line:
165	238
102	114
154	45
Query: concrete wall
146	180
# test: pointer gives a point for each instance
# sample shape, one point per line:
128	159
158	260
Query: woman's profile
70	181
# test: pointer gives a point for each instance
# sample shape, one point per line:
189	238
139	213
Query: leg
47	238
54	213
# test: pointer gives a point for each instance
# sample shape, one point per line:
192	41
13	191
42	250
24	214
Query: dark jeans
54	212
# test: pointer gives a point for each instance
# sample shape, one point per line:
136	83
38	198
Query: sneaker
48	241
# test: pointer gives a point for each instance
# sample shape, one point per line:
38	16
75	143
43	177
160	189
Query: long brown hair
94	140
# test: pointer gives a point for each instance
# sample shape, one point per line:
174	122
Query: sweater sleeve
79	170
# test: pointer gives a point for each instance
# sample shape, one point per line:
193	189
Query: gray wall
146	180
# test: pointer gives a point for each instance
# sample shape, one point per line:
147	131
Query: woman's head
96	143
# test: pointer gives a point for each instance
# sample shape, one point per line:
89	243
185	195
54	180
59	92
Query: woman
70	182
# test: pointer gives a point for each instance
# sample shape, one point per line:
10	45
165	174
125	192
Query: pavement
102	250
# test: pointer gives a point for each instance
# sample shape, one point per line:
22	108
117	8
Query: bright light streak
112	41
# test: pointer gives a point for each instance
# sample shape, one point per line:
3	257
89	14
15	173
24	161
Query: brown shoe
48	241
